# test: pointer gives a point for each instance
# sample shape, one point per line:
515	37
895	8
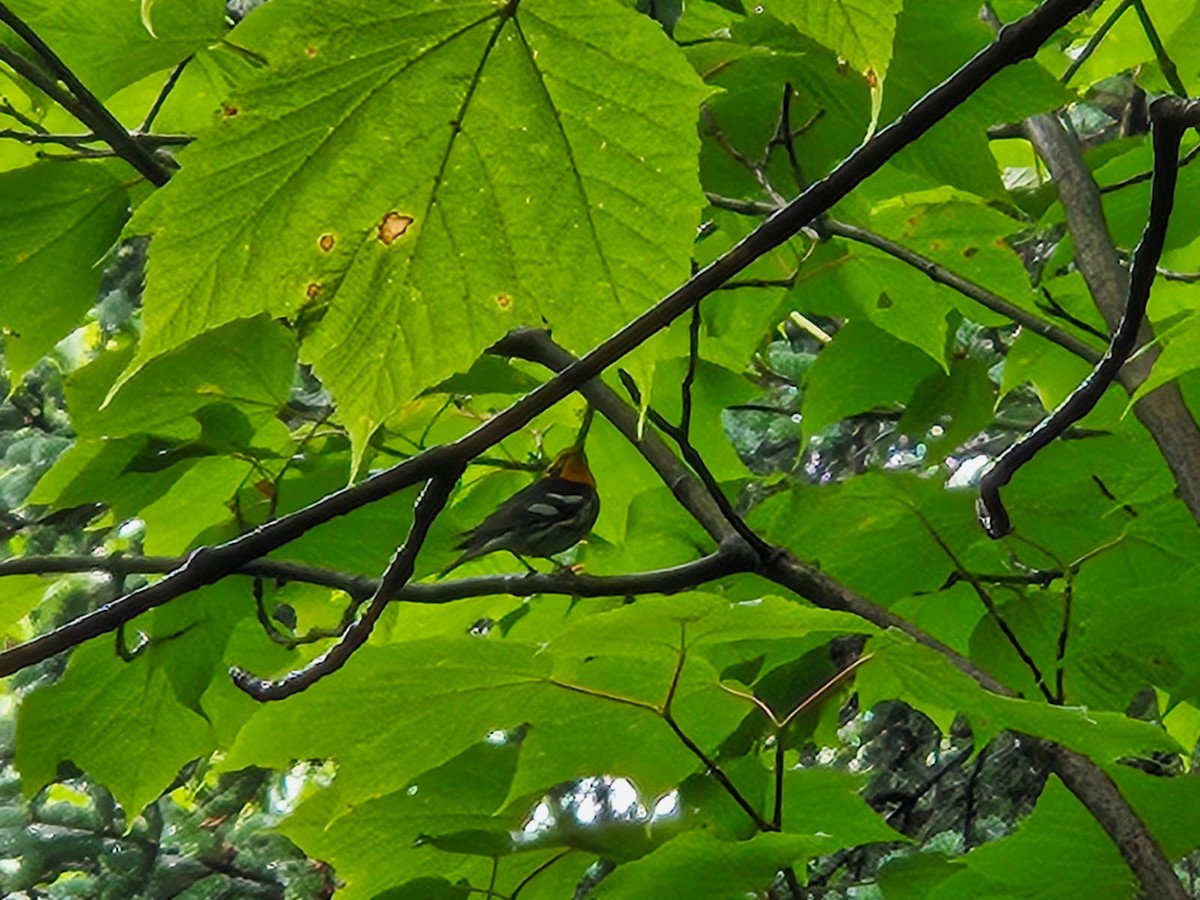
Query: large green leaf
147	734
57	223
932	40
866	532
1030	862
459	795
455	170
901	668
700	866
863	368
827	802
241	371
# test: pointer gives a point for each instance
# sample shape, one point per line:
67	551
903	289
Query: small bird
548	517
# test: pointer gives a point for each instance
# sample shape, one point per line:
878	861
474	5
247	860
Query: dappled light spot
504	301
393	226
312	290
326	242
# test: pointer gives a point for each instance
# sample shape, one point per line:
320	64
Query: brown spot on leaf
326	242
872	79
229	110
265	488
968	252
935	246
393	226
311	52
312	290
504	301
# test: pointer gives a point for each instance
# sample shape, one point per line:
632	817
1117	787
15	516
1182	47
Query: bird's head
571	465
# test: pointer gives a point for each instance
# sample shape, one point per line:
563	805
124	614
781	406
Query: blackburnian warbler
548	517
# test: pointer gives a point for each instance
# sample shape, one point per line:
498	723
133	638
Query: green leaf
827	803
861	33
915	877
901	668
417	705
702	867
1180	355
1030	862
246	365
462	793
866	531
57	224
862	369
864	284
932	40
596	101
946	411
487	375
147	734
833	108
1125	47
19	595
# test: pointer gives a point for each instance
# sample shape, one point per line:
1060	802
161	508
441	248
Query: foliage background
355	201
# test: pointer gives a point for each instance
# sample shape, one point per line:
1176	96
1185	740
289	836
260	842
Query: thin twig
163	94
1169	69
989	604
432	500
1063	634
685	389
1094	41
694	460
12	112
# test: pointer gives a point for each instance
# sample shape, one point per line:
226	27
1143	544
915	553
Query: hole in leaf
393	226
312	290
326	242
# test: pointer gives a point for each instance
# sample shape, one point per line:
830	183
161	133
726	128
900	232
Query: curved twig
1170	119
